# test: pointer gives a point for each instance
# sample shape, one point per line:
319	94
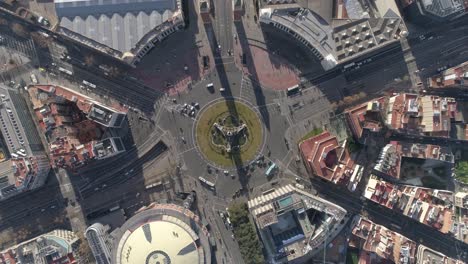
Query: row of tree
245	234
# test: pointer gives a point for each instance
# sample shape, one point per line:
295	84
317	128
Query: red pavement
270	70
163	68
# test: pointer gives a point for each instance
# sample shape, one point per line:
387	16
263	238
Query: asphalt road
223	25
412	229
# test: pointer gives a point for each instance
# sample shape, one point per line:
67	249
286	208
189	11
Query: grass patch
218	155
312	133
461	171
244	232
352	256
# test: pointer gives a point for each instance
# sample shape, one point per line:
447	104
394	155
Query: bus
348	66
115	208
293	90
65	71
207	183
91	85
154	185
270	169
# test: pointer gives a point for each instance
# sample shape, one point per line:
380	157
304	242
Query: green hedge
245	234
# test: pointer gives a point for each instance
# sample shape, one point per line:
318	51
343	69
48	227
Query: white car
222	89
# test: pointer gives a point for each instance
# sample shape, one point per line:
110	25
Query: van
34	78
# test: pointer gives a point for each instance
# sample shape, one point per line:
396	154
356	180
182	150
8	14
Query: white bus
293	90
91	85
207	183
154	185
65	71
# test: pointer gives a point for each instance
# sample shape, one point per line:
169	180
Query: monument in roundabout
228	133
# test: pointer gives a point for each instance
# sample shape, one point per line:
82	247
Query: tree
461	171
244	232
40	40
19	30
83	250
114	71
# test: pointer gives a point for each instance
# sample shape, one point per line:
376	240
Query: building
98	240
392	155
429	256
337	31
76	126
326	158
124	29
165	232
461	200
294	224
58	246
425	11
428	206
456	77
23	162
238	9
384	243
365	119
205	10
425	115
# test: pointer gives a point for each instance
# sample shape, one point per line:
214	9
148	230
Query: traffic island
228	133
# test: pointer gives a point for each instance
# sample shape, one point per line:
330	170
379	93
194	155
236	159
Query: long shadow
33	213
163	67
227	94
259	96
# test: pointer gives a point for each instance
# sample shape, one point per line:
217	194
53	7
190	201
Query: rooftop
326	158
56	245
119	24
365	117
387	244
74	125
425	205
339	35
27	166
443	8
288	216
456	77
427	115
165	232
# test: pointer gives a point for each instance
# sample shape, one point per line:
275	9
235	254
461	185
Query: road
223	26
412	229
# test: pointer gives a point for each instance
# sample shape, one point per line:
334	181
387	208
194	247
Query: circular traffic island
228	133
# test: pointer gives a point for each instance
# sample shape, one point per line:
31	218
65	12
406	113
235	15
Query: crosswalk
25	47
248	90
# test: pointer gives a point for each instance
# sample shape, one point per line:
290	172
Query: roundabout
228	133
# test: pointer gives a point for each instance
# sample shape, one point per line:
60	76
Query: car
226	172
419	84
222	89
33	78
197	105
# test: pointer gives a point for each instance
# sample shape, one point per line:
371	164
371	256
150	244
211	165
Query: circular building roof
165	234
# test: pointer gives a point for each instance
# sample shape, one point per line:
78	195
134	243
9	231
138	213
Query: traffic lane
229	244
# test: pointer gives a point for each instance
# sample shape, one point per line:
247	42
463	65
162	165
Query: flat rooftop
163	241
119	24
